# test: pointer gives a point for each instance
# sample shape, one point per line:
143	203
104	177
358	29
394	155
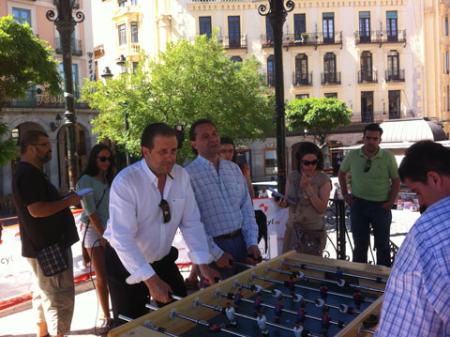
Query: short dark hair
153	130
373	127
92	168
226	140
197	123
309	148
422	157
29	138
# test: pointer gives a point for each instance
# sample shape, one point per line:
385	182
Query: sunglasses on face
368	165
164	205
309	162
103	159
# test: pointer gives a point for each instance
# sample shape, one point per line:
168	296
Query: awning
411	130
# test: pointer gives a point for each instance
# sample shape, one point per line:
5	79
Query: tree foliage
187	82
319	116
25	60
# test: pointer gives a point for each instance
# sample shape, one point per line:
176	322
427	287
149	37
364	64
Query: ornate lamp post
65	25
277	12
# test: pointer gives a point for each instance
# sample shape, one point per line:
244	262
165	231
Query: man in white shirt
149	200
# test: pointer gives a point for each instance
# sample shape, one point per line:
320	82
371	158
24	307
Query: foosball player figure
290	284
261	322
298	329
323	291
277	293
257	303
279	306
339	274
230	313
325	319
357	298
238	297
301	313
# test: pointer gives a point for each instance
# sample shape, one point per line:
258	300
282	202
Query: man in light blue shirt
417	297
225	205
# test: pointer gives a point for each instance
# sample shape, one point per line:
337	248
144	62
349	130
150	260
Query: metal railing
330	78
301	79
395	76
380	36
312	39
367	76
75	45
235	42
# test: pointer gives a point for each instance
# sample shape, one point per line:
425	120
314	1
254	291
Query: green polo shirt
375	184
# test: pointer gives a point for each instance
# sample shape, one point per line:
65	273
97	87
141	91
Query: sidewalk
18	320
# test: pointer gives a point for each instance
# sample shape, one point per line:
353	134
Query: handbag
52	259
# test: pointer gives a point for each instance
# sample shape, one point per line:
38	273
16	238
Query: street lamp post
65	25
277	12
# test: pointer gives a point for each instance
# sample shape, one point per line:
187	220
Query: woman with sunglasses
98	175
307	193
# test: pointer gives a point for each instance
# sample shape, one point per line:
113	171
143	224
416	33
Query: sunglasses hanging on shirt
164	205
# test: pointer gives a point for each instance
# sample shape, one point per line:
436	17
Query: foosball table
290	295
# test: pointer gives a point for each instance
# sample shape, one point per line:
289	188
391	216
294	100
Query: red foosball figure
323	291
357	297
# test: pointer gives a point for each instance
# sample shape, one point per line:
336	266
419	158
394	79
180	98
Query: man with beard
374	188
149	200
44	220
417	296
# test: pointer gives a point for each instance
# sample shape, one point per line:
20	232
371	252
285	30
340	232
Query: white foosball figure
230	313
261	321
298	330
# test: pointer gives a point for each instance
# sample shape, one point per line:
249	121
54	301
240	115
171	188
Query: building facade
386	59
38	109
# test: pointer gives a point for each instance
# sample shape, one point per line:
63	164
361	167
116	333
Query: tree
187	82
319	116
25	60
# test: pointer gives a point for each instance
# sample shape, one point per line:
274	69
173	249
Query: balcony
129	8
42	101
266	41
312	39
75	47
235	42
367	76
367	116
362	37
299	79
330	78
395	75
380	37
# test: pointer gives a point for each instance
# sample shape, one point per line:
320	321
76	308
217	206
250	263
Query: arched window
301	69
270	71
329	67
236	58
366	67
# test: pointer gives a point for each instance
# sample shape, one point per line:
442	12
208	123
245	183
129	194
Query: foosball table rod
342	308
362	330
337	271
197	302
174	314
266	279
149	325
292	312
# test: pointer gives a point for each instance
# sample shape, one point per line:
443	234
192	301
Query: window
299	26
366	67
236	58
367	106
205	26
393	72
446	26
270	162
234	31
391	26
135	66
447	69
328	27
75	78
302	96
270	71
330	95
301	69
121	3
394	104
329	66
122	29
269	30
364	26
21	15
134	32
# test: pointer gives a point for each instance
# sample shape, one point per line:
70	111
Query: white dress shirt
136	229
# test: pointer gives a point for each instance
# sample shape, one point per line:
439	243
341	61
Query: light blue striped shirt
417	298
223	199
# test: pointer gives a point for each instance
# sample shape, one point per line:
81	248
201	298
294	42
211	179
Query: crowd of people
130	219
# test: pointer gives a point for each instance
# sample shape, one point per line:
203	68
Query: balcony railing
312	39
367	76
367	116
75	47
394	114
266	41
395	76
380	36
235	42
301	79
330	78
35	100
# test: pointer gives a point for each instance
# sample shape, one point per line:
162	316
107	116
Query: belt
229	235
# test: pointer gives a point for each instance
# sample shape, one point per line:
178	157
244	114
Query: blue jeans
238	249
363	214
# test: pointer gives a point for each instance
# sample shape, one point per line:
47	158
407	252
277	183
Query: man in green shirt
374	188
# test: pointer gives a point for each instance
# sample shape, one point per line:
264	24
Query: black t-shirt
31	185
